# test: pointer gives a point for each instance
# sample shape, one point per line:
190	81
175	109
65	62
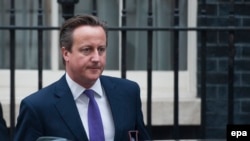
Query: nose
95	56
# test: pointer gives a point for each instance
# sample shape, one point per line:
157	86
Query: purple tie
96	132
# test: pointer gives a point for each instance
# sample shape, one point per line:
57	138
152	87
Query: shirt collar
77	89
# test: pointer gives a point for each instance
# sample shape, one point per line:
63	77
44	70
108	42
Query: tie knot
90	93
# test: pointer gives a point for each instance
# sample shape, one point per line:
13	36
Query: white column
192	46
54	36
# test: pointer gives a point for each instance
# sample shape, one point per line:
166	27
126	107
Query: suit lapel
67	109
114	100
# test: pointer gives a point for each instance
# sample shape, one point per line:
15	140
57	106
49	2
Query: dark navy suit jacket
52	112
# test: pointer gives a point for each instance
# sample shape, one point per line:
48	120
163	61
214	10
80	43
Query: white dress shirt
82	101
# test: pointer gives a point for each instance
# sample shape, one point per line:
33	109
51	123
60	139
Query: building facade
203	28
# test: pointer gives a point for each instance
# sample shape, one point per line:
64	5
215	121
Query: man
62	108
4	136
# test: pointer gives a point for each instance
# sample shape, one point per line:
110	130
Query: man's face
87	59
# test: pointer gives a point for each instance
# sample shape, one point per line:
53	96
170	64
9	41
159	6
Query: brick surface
219	13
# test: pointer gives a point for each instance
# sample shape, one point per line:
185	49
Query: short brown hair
71	24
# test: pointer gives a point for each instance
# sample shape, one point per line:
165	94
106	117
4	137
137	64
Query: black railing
12	70
150	29
203	31
40	45
176	72
149	65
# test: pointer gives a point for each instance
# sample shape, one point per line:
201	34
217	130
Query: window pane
162	40
26	14
4	35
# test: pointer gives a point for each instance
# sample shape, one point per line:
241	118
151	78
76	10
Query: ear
65	54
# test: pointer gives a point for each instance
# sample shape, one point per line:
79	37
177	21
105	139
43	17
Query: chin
94	77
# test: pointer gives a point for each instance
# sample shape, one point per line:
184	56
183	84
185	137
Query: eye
86	50
101	49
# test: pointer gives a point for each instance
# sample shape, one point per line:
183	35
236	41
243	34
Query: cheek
104	60
80	60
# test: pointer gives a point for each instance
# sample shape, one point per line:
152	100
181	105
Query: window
26	40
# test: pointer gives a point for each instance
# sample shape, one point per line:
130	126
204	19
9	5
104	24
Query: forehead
85	30
86	35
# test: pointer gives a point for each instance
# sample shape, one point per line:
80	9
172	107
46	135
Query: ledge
162	94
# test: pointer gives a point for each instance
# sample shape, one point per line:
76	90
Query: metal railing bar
181	28
29	28
176	72
94	7
123	42
149	65
40	45
201	28
12	69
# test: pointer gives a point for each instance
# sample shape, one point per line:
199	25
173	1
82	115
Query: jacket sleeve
143	133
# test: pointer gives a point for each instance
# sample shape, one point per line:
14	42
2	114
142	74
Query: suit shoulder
42	94
119	81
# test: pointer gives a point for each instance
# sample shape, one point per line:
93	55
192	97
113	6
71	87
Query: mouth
94	68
